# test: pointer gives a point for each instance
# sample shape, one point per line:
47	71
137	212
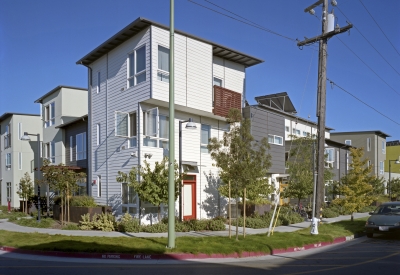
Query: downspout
139	111
107	131
377	157
89	136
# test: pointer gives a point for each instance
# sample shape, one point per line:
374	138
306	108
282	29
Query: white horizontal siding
234	76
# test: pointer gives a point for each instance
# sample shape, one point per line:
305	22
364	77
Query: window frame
8	161
98	134
133	130
98	181
98	82
164	74
71	148
203	146
150	139
116	126
381	168
328	162
81	137
19	160
49	114
347	142
383	147
130	196
274	139
368	144
133	55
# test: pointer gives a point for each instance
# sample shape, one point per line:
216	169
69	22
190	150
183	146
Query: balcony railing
224	100
7	141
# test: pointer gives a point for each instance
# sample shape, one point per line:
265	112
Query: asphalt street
380	255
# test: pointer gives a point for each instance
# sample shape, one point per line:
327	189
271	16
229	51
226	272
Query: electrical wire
366	104
379	27
368	66
244	22
369	42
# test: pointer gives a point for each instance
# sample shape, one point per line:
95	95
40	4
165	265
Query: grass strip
194	245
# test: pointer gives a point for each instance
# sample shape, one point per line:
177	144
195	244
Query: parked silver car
385	219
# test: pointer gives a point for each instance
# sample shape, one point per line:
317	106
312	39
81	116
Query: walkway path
8	226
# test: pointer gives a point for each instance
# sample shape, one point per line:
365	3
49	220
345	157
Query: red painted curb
170	256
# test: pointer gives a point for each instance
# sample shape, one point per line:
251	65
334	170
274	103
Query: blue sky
40	41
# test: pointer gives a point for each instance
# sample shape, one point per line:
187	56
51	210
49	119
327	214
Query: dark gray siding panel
73	130
263	123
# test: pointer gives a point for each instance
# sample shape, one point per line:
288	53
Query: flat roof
331	142
376	132
7	115
141	23
72	121
39	100
280	101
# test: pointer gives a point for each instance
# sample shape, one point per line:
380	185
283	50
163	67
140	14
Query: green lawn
208	245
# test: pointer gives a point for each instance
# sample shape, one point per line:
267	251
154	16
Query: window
20	133
287	129
50	151
163	64
71	148
330	157
163	131
205	137
99	186
98	134
9	191
347	161
347	141
137	66
381	167
337	160
8	161
150	127
296	132
129	199
132	130
98	82
304	133
19	161
81	146
275	140
49	115
383	147
369	163
217	81
121	124
368	144
7	137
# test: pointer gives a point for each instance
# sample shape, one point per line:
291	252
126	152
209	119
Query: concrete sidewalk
8	226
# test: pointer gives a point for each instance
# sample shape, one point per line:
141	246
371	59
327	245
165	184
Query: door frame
193	183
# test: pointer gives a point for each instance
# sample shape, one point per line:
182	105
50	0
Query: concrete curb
172	256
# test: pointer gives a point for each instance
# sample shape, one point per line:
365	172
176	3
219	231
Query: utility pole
328	30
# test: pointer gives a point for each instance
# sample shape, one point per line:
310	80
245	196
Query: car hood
384	219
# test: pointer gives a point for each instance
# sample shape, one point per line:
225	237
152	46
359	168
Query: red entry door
189	197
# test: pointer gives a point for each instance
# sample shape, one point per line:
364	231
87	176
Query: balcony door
189	197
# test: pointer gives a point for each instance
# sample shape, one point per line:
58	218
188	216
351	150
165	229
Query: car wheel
370	235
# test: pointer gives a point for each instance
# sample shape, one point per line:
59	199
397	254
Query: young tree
65	181
243	161
153	184
355	186
25	191
300	163
395	187
378	186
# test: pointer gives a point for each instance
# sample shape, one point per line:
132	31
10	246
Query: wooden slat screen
224	100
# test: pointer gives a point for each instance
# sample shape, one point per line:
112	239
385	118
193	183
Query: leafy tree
395	187
64	180
25	191
153	184
242	161
378	186
355	186
300	163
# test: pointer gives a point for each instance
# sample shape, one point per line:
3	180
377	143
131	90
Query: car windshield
388	209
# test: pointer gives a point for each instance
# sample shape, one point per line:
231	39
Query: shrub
128	224
85	223
12	218
367	209
216	225
155	228
71	226
82	201
330	213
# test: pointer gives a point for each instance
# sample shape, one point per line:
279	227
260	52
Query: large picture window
130	200
137	66
163	64
81	146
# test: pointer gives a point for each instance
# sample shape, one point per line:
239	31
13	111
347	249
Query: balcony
224	100
7	141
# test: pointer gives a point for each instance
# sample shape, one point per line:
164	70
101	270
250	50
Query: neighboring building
16	156
59	106
128	114
374	144
75	136
393	154
275	117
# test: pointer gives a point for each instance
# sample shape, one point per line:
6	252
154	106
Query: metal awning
191	163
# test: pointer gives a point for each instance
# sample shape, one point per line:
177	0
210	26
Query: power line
368	66
379	27
369	42
366	104
244	22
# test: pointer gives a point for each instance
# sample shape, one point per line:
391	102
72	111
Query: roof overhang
280	101
7	115
40	100
82	118
141	23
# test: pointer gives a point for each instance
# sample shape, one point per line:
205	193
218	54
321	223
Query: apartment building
128	113
17	156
